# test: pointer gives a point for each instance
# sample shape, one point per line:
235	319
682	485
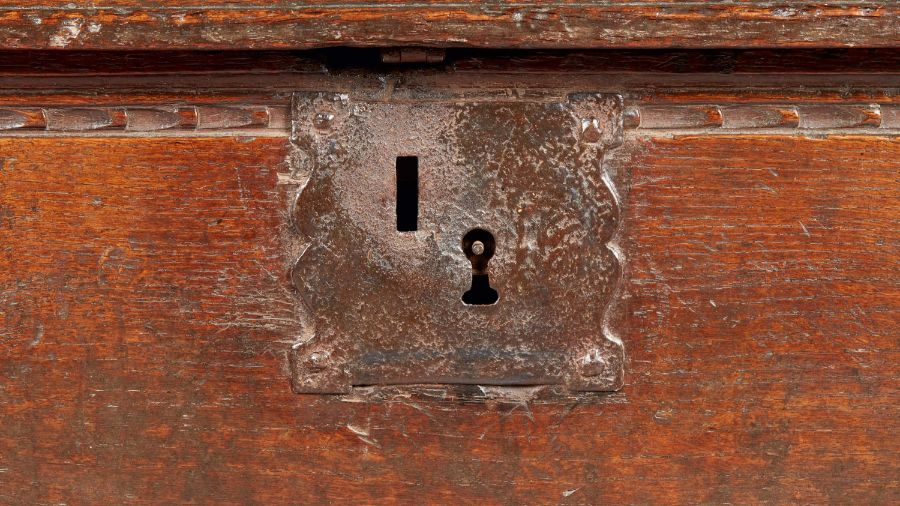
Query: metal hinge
407	55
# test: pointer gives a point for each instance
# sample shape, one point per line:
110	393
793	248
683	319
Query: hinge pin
406	55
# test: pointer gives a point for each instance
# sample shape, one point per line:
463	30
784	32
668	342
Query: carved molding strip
722	118
765	116
142	118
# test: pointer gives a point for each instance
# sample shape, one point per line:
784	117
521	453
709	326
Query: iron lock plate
384	300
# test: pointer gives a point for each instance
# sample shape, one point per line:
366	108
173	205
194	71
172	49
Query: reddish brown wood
240	24
680	117
144	118
146	310
765	116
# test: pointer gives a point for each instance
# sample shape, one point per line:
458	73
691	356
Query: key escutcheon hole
479	246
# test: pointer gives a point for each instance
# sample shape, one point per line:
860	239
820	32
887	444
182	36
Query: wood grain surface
145	308
241	24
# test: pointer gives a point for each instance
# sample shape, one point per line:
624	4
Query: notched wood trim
728	118
177	119
142	119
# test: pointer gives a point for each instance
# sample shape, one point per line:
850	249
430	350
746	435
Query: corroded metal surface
386	307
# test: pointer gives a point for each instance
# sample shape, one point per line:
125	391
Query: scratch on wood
363	435
38	334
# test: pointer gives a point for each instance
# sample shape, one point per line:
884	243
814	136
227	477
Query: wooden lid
283	24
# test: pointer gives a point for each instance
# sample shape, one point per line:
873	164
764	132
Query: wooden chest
449	252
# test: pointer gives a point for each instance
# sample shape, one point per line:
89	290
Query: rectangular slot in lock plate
407	193
455	241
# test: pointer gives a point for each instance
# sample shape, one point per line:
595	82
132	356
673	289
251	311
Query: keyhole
478	245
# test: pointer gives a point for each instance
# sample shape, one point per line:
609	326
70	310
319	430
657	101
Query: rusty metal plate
415	210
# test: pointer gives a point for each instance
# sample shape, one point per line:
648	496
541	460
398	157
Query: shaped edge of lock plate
322	365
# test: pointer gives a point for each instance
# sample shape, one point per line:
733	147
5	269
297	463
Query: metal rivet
323	120
590	130
317	360
593	363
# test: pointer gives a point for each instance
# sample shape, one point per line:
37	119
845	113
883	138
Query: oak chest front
505	253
